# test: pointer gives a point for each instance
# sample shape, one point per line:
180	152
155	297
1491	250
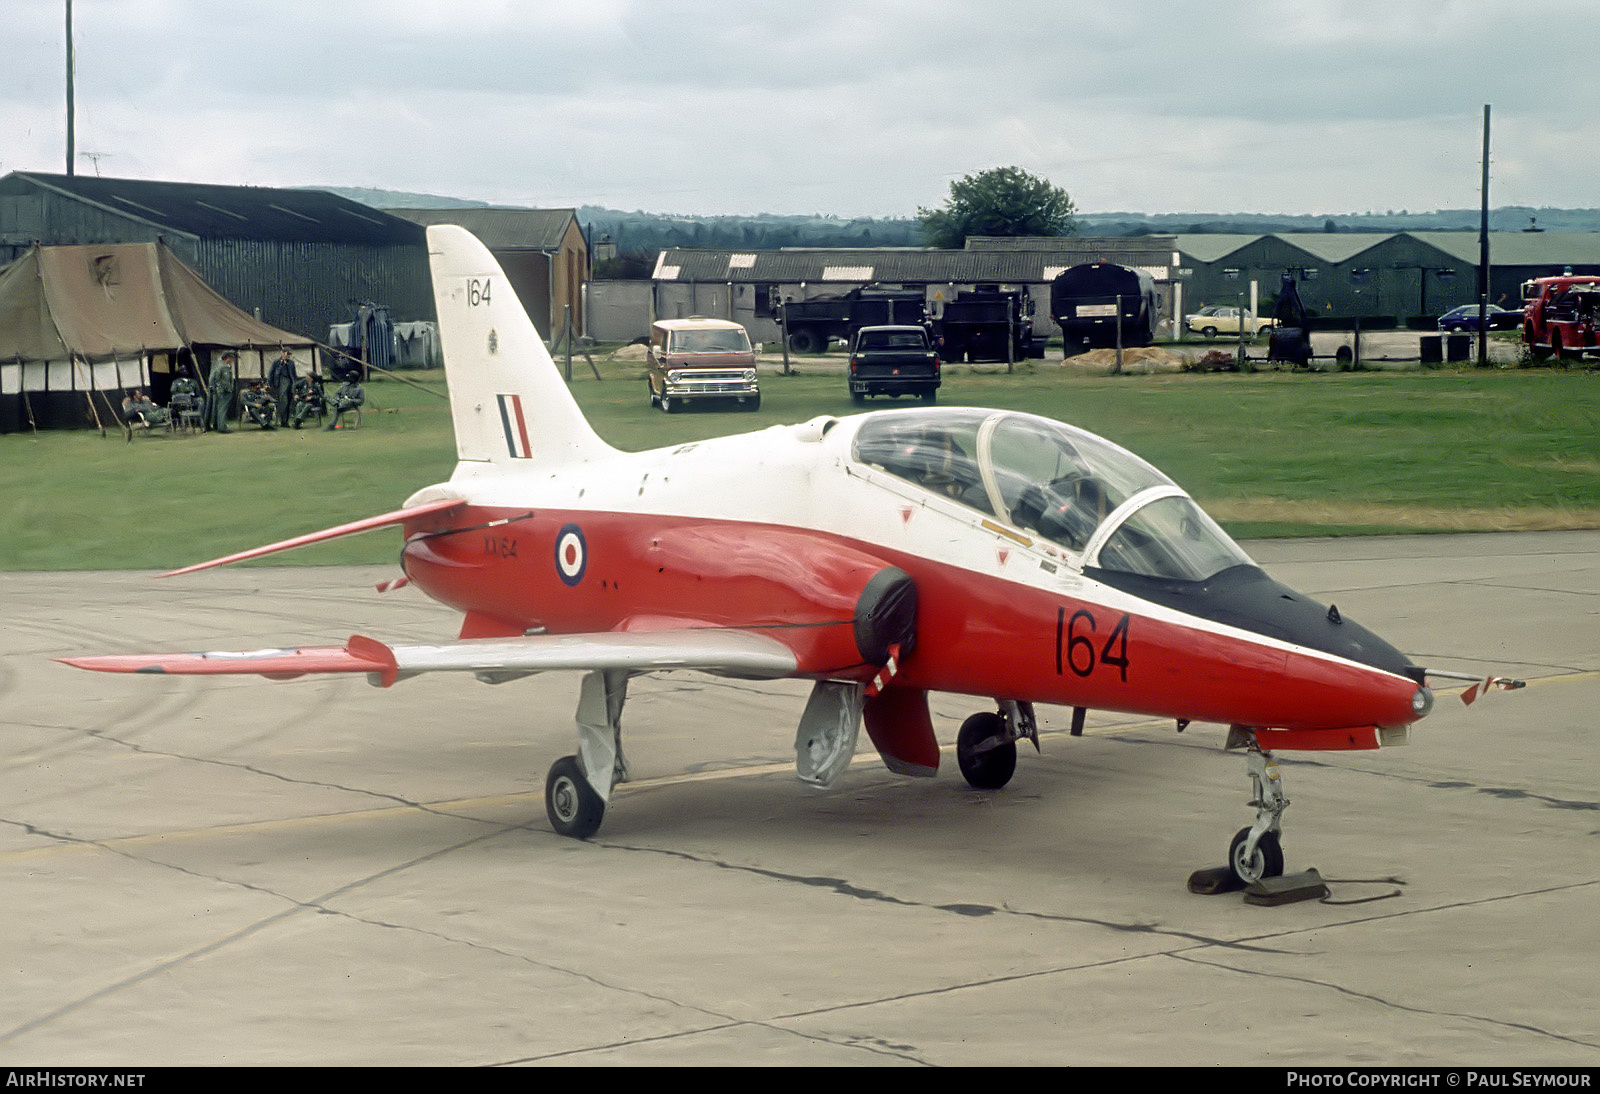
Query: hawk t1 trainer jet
882	556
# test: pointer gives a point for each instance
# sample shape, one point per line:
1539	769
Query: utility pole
71	135
1483	252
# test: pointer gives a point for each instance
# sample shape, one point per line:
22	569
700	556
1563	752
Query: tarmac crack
875	1045
238	765
1505	793
1430	910
321	906
1188	954
318	904
1392	1004
846	888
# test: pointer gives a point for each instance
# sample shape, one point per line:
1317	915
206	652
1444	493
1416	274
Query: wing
728	652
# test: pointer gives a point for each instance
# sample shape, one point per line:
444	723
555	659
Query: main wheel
669	404
985	764
570	802
1266	862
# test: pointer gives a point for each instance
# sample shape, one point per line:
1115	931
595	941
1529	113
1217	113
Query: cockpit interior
1100	503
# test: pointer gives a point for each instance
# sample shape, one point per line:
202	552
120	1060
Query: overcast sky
846	107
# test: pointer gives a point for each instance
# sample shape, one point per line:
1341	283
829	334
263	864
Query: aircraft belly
571	571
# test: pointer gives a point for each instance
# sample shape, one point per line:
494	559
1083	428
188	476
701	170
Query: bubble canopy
1096	500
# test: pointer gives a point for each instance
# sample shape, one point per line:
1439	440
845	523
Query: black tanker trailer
1090	301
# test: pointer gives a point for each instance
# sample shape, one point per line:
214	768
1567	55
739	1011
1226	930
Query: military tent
79	326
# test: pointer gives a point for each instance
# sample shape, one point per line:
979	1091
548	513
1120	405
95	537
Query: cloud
854	108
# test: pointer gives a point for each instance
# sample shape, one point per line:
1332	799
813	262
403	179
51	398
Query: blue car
1465	318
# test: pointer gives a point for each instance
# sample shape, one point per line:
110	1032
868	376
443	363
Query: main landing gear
986	746
577	788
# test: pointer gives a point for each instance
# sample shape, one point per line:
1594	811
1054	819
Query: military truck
987	324
814	324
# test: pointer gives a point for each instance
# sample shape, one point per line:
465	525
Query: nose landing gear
1257	852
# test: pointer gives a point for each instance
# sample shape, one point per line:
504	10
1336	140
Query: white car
1215	319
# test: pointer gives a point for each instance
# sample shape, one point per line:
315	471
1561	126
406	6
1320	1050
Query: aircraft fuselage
644	541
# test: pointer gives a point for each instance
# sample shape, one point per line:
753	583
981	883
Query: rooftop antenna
96	157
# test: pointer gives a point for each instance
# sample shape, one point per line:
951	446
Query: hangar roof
910	265
1520	248
503	229
1505	248
235	212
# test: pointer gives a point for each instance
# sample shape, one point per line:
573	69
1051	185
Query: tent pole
126	428
337	352
88	394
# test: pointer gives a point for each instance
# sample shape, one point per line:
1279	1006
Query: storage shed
543	252
747	287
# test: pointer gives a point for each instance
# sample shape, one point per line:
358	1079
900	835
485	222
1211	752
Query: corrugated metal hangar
1394	279
293	258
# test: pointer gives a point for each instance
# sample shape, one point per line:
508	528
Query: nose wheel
1252	864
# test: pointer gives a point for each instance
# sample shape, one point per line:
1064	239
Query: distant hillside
399	199
643	234
653	232
1510	218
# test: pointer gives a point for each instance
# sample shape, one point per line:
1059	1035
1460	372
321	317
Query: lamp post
1232	274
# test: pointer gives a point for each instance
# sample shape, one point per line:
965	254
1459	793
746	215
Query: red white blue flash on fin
515	426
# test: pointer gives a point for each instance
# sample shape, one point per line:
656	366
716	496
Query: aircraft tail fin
510	406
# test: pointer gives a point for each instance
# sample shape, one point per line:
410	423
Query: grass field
1268	454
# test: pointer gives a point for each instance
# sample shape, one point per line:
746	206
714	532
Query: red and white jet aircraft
883	555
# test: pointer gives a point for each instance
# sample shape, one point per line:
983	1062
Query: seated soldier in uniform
185	396
139	409
260	405
309	401
350	396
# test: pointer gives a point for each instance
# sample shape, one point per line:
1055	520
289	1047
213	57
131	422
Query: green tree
1002	201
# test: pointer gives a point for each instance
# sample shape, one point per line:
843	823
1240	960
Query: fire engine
1561	316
